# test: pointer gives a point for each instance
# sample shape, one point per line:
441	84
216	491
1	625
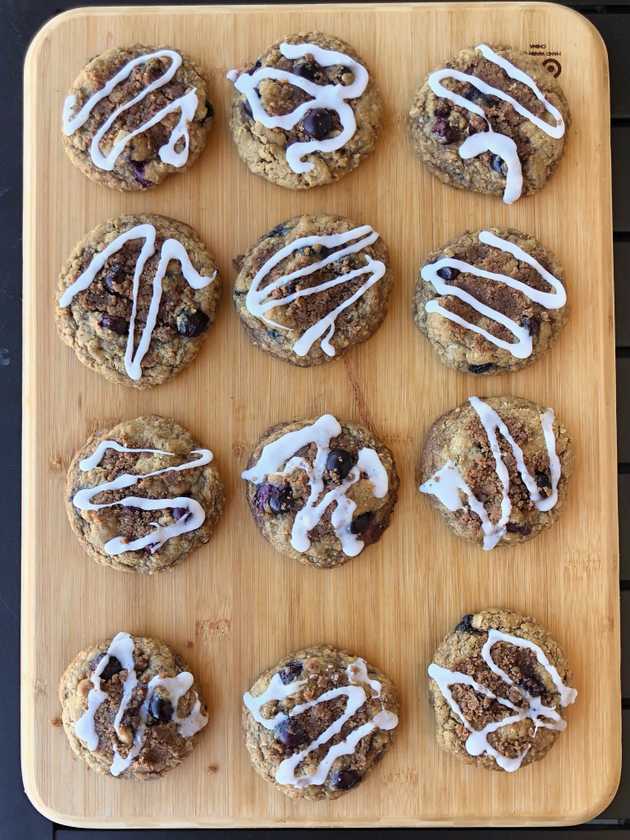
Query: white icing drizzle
522	347
491	141
192	519
175	688
277	458
330	97
171	250
543	717
186	105
356	696
260	301
448	485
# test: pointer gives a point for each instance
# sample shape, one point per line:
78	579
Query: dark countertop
19	21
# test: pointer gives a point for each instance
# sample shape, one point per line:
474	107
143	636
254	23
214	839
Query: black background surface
19	21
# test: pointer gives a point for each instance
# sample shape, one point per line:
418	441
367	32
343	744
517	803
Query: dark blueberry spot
138	173
481	368
247	110
308	70
530	680
466	625
542	479
532	325
290	672
279	230
117	325
112	667
273	498
478	96
112	276
361	523
442	108
496	163
178	512
340	461
448	273
254	67
161	709
209	111
290	733
443	131
321	252
192	324
516	528
274	335
318	123
344	779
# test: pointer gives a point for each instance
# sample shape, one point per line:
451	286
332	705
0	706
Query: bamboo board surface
235	606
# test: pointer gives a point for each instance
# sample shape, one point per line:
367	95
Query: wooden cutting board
236	606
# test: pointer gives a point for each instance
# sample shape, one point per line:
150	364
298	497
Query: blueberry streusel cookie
499	685
491	120
130	707
306	112
318	721
313	287
141	496
497	469
490	301
321	491
136	298
135	115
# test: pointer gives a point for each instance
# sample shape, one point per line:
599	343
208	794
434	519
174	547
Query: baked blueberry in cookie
490	301
320	491
497	469
492	120
306	112
130	707
142	496
499	686
318	721
312	287
136	299
135	115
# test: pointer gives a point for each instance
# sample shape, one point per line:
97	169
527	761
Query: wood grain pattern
235	606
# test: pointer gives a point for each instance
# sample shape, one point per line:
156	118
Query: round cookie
135	115
491	120
498	685
497	469
320	491
338	693
306	112
492	323
136	298
275	295
141	496
148	687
